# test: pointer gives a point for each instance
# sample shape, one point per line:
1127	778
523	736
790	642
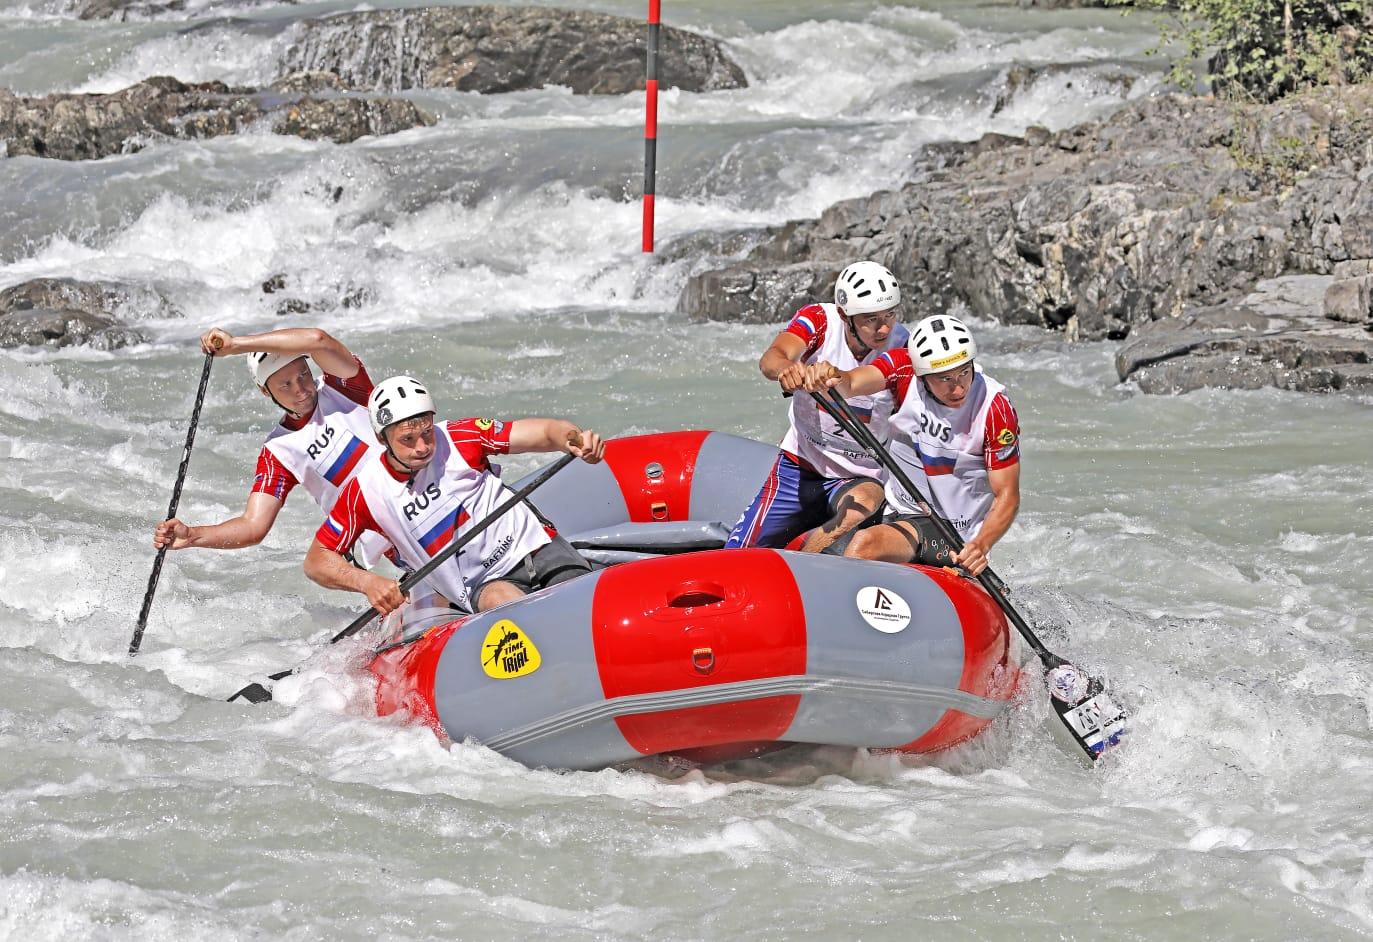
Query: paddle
176	499
257	693
1086	712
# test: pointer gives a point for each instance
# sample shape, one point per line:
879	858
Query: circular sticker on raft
883	609
507	652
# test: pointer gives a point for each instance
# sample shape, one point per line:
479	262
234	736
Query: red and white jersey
323	451
423	513
814	437
948	452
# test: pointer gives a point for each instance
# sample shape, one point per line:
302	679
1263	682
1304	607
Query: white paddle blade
1089	722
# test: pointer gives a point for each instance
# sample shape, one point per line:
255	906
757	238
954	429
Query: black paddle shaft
257	693
171	508
839	410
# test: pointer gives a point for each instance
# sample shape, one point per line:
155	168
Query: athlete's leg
852	501
777	513
904	538
497	592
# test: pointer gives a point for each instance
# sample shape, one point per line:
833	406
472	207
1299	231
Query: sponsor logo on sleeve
485	424
508	652
1007	437
883	609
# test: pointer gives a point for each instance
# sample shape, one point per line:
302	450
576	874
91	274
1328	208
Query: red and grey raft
678	648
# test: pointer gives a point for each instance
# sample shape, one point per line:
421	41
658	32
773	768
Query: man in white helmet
318	443
823	481
432	481
957	437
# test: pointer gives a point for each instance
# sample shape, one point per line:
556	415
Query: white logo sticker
883	609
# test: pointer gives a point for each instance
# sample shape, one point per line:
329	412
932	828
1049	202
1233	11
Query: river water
1208	554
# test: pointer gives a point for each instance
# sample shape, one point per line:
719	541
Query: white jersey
944	452
436	506
816	438
325	452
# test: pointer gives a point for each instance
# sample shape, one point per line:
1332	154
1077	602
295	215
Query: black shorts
550	564
934	549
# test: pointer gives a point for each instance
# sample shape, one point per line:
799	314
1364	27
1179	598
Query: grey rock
60	328
87	127
1171	206
112	299
501	49
1274	337
1020	78
1350	300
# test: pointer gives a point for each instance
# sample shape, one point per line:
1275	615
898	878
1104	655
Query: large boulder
1274	336
88	127
503	49
59	312
1173	202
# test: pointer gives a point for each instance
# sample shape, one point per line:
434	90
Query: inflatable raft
679	648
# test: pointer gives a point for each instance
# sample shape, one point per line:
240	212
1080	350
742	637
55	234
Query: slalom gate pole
651	119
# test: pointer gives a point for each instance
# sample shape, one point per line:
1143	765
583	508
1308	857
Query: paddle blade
1086	719
253	693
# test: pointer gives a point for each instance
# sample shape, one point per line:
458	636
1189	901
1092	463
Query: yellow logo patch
1007	437
958	357
507	652
485	424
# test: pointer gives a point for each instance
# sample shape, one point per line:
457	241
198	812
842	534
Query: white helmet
940	343
395	400
262	365
866	288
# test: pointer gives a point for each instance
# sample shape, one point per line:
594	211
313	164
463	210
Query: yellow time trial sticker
507	652
958	357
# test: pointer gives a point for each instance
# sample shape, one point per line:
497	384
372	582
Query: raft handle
696	592
703	659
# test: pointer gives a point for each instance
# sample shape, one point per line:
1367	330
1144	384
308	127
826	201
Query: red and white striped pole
651	119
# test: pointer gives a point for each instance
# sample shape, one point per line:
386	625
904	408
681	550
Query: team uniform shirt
814	438
323	451
422	513
948	452
818	459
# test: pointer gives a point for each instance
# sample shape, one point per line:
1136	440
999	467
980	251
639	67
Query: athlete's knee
863	544
868	494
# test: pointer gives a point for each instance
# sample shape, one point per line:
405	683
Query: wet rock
502	49
61	328
88	127
1350	295
1174	203
134	10
1019	79
344	120
112	299
304	83
1275	336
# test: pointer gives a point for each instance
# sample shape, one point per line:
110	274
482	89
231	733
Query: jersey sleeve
347	519
356	387
1001	446
475	439
809	324
272	477
896	368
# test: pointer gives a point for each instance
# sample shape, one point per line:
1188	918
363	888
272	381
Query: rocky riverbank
1172	210
88	127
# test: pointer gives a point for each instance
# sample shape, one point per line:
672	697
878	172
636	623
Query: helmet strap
863	349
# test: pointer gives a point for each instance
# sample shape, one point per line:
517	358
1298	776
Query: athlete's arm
782	356
859	381
331	355
325	567
247	529
529	435
1005	485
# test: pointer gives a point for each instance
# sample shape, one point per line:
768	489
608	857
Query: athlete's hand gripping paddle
176	499
258	693
1087	714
